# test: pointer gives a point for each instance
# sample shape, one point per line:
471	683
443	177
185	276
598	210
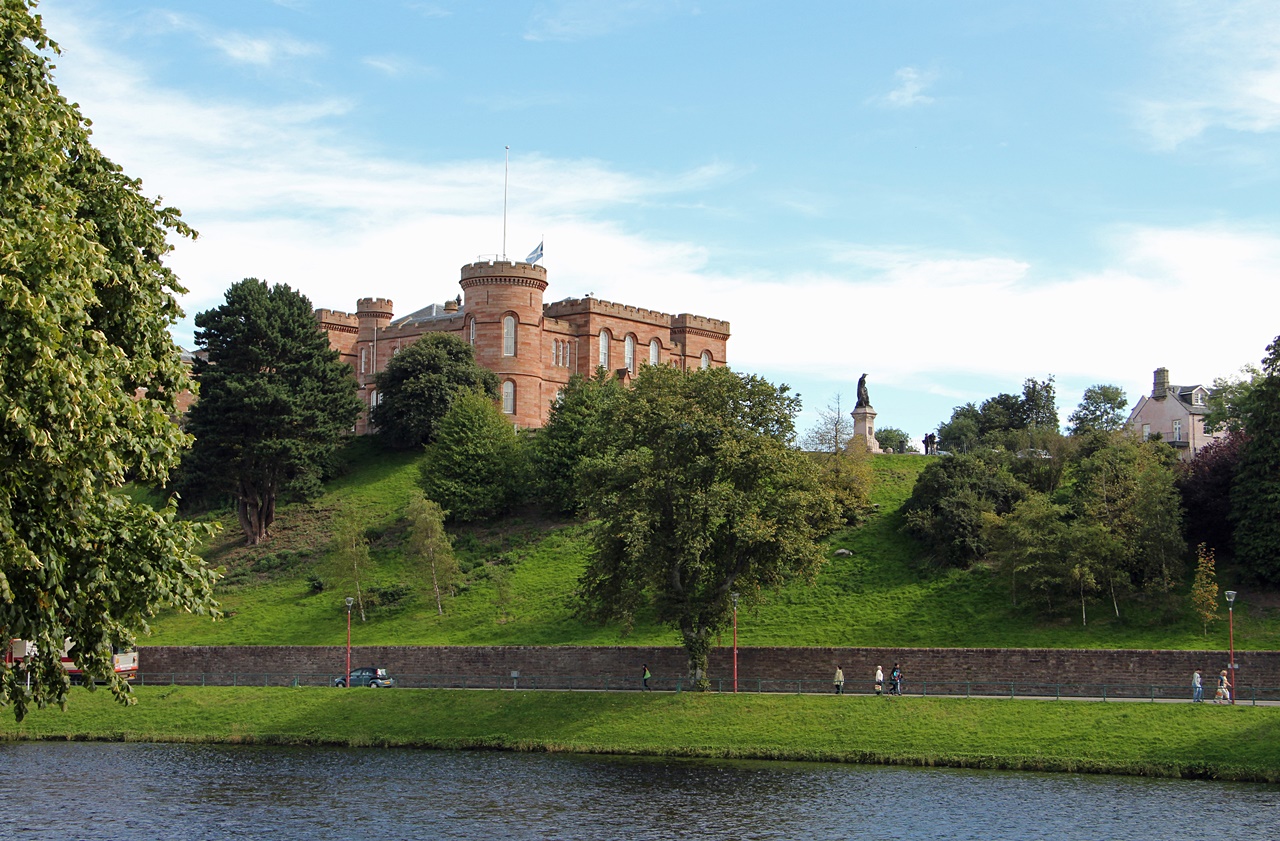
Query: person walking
879	680
1223	695
839	681
895	680
1197	689
644	678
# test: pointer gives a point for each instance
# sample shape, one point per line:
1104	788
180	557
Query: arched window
471	332
655	351
364	360
706	359
508	397
604	349
509	335
629	353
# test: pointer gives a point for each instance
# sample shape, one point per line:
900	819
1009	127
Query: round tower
502	309
374	314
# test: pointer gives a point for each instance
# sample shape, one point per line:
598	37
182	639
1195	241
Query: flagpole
506	158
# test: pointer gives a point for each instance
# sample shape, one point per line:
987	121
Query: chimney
1160	388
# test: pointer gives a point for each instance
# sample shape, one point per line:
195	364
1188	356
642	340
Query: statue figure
863	400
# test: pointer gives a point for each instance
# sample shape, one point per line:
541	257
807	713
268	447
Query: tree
351	549
89	375
961	433
559	447
1039	404
949	499
1205	485
832	431
1227	398
275	401
1255	491
477	467
893	439
1204	588
699	493
429	542
419	384
1100	410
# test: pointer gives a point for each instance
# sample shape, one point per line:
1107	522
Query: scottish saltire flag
535	255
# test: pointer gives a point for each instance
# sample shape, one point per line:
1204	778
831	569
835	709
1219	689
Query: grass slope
1175	740
522	572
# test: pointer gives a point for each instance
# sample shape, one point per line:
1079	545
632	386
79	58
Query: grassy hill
521	572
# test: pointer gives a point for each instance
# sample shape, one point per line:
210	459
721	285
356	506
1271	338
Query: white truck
124	662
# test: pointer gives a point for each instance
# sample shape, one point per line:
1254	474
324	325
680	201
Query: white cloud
1221	69
260	51
910	89
577	20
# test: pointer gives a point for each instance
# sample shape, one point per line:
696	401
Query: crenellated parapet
337	321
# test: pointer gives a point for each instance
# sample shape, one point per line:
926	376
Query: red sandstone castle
533	347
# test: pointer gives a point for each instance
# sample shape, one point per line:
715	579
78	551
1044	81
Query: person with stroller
895	680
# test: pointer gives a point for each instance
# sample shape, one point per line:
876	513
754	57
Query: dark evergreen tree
1205	485
478	465
947	504
1255	492
275	402
561	444
419	384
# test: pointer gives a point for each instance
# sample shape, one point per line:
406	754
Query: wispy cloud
1220	69
397	66
259	50
910	90
577	20
429	10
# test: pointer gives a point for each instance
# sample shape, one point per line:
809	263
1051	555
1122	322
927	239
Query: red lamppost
350	601
1231	641
734	597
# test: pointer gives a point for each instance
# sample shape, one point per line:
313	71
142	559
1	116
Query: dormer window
1197	397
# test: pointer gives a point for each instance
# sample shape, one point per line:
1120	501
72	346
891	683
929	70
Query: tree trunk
436	585
256	512
697	644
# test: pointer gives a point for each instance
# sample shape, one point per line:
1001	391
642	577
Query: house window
655	351
509	335
629	353
1146	432
508	397
604	349
471	332
706	359
1198	398
1177	430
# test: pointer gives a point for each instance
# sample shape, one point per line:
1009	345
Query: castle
533	347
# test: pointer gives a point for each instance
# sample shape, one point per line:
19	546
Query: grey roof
431	312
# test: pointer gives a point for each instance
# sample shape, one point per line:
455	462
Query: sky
948	197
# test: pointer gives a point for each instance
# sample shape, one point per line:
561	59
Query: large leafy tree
478	465
698	492
950	497
89	376
419	385
275	402
1100	410
1255	491
1205	485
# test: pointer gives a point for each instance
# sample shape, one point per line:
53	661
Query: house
1175	413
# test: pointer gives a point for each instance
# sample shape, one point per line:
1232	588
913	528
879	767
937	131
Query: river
85	790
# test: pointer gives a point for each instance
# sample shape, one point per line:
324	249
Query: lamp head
734	597
350	601
1231	597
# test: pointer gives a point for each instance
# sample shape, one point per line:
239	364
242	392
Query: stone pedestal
864	428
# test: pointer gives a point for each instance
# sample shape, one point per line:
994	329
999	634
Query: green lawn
522	571
1178	740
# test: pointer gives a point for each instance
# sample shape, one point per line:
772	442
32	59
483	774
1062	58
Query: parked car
370	676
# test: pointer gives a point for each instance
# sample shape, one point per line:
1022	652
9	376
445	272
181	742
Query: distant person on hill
644	678
895	680
879	680
839	681
1197	689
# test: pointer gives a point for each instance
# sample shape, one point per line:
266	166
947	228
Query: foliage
847	476
559	446
350	551
1205	486
948	502
961	433
1255	491
1039	404
970	425
275	402
894	440
1100	410
831	432
418	385
1227	398
478	466
698	493
1204	588
428	542
89	375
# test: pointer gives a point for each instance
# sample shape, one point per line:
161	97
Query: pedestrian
879	680
1197	690
839	681
644	677
1223	695
895	680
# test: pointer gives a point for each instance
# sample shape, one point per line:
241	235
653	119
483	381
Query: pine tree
1204	589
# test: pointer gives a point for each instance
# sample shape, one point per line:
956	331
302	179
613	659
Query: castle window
629	353
364	360
655	351
706	360
604	349
472	331
509	335
508	397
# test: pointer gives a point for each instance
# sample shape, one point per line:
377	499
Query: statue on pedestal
864	402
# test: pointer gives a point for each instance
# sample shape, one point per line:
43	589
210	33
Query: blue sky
949	197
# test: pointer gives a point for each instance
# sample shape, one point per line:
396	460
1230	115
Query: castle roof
431	312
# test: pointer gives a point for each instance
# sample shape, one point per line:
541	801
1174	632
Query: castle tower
373	315
502	308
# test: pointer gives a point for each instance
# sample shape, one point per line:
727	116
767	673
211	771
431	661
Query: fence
803	686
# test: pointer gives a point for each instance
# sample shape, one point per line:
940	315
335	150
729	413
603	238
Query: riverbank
1169	740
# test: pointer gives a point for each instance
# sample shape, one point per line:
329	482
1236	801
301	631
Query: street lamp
1231	641
350	601
734	597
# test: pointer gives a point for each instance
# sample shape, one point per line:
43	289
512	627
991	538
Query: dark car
367	676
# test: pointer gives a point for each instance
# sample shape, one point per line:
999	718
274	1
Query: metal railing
803	686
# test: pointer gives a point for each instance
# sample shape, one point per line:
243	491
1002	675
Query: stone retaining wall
939	670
